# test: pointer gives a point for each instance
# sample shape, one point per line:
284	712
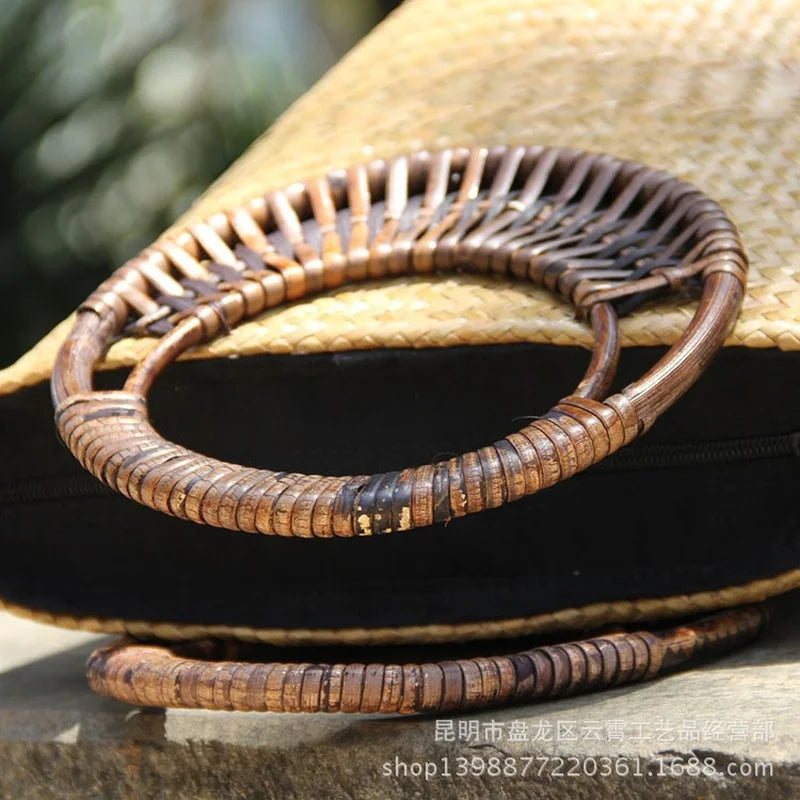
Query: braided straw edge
578	618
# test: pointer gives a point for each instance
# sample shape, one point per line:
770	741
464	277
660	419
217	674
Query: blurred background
116	114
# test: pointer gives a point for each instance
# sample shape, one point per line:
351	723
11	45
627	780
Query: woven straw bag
472	174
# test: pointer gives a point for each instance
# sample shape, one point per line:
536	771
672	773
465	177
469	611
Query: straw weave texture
709	90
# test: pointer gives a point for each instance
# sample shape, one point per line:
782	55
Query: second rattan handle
204	675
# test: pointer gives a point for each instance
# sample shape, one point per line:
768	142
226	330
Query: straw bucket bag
410	265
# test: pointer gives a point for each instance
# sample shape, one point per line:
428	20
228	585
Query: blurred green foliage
115	115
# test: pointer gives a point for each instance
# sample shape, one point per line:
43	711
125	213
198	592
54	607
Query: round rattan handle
207	674
597	230
111	435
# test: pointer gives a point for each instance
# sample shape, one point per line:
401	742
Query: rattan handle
191	676
111	435
594	229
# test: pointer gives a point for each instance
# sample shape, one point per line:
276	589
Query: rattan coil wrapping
605	234
208	674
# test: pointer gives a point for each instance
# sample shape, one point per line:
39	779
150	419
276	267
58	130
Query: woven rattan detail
605	234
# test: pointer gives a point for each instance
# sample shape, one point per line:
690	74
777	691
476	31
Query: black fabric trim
602	536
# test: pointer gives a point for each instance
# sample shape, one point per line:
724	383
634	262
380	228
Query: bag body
692	517
696	508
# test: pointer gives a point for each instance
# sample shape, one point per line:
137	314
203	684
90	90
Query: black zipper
54	487
662	456
634	457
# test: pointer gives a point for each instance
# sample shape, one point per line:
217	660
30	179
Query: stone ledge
59	740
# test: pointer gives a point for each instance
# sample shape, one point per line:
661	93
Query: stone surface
740	715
